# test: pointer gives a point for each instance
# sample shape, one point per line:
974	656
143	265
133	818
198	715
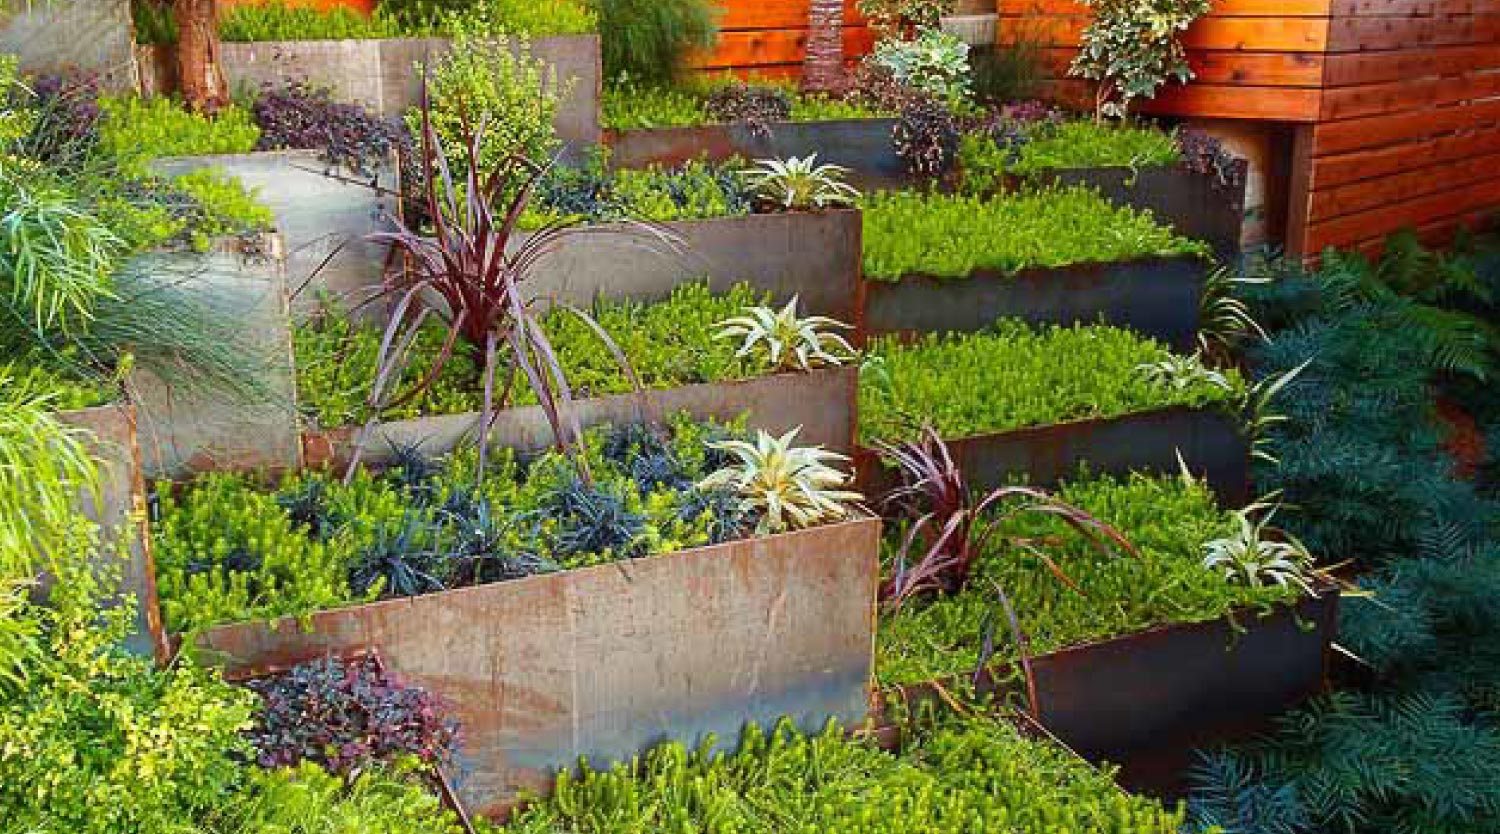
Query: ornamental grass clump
1016	376
953	236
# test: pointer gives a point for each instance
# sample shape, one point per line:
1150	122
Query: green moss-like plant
964	776
1167	519
279	20
952	236
630	106
1046	146
136	130
669	344
1017	376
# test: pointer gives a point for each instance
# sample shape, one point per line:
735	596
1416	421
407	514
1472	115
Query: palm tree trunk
823	68
199	75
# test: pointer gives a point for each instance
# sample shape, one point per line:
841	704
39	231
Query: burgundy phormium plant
467	274
345	715
950	525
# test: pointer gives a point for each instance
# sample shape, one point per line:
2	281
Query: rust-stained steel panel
1158	297
1212	444
820	401
120	510
606	662
1195	205
1116	698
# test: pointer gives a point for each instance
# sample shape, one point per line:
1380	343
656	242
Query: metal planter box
382	75
1158	297
1210	442
120	511
1133	695
605	662
822	402
1195	205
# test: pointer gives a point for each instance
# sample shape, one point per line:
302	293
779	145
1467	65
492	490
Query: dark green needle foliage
1416	748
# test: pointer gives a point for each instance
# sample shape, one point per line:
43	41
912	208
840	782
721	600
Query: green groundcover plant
1016	376
1029	148
668	344
1169	520
689	103
952	236
279	20
228	549
975	776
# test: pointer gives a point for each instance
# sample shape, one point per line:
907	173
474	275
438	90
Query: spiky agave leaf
801	183
787	487
1252	556
789	341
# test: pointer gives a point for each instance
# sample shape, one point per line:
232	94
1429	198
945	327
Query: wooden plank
775	46
1371	194
1299	176
1400	96
1354	68
1375	131
1250	69
1333	171
1409	8
774	14
1393	217
1221	8
1282	104
1255	34
1361	34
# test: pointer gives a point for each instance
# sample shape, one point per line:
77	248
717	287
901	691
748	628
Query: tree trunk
199	75
824	67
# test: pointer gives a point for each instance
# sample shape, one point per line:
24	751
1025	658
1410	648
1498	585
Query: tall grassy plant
649	40
55	258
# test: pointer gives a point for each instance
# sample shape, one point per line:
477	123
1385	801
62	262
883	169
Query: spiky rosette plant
469	271
951	526
1258	555
800	183
786	487
791	343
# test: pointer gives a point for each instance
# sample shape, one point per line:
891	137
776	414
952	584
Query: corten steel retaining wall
120	510
1211	443
821	402
382	75
1195	205
606	662
1158	297
1135	694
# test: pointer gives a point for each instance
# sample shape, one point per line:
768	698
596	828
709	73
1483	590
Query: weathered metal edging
1158	297
1115	698
602	663
1211	442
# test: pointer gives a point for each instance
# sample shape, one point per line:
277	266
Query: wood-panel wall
769	37
1408	130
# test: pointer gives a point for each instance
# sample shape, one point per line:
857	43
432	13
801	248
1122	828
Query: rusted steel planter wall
813	255
821	402
381	75
864	146
1158	297
1195	205
605	662
1210	442
1135	694
120	511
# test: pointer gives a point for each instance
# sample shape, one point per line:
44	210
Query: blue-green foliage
1417	749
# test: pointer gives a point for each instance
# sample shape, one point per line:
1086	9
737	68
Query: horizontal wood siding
769	37
1408	132
1254	59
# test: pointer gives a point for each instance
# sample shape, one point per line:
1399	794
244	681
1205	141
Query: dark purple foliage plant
345	715
302	117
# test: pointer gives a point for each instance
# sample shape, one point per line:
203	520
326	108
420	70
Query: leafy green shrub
1169	520
975	775
935	63
99	741
1016	376
229	550
1045	146
228	208
648	40
279	20
308	800
951	236
136	130
500	86
632	106
1134	47
669	344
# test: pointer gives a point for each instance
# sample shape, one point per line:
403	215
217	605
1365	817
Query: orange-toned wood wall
361	5
768	37
1396	102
